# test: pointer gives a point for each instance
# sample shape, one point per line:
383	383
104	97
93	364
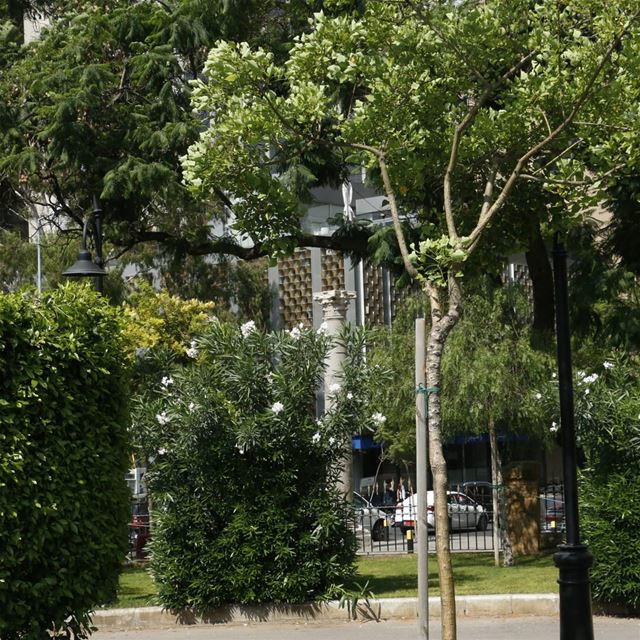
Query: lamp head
84	267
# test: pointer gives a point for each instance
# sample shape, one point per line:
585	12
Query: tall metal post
97	227
422	467
572	559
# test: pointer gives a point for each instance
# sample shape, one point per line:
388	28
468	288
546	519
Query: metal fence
393	529
471	521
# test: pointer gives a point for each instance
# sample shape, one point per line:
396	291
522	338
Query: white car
464	513
371	519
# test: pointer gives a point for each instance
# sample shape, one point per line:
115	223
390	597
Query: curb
539	604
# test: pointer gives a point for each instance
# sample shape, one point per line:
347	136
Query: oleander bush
243	476
608	426
64	504
610	516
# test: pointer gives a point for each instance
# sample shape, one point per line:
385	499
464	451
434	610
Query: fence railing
471	525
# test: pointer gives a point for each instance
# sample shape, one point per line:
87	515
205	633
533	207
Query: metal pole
422	467
572	559
39	256
97	227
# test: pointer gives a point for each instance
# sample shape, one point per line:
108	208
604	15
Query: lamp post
572	559
84	266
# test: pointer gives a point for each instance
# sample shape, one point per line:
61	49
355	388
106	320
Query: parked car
139	530
371	519
464	512
552	514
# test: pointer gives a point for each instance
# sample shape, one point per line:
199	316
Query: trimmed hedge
64	504
610	513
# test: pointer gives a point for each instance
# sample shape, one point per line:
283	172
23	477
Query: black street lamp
572	559
84	266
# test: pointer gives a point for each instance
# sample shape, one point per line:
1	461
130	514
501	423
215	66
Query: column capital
334	303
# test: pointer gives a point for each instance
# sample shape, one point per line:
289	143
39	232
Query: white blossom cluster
248	328
192	351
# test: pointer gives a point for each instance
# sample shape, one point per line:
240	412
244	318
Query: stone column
335	304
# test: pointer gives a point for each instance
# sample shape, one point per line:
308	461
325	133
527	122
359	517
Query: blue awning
364	443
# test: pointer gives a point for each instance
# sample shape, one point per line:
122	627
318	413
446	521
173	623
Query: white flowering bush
607	418
244	475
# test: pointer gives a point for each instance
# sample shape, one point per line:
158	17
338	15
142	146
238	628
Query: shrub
610	512
244	477
64	503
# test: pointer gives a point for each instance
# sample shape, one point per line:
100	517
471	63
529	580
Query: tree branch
484	220
466	122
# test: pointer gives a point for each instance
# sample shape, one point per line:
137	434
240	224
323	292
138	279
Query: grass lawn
396	576
475	573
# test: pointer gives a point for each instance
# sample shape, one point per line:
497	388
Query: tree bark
493	444
440	328
500	517
542	283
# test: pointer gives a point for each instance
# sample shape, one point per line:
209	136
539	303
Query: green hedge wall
64	504
610	512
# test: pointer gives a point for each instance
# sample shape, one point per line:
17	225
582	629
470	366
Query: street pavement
520	628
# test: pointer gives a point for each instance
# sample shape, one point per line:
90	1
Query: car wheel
379	532
483	523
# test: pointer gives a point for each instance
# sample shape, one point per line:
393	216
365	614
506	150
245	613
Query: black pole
97	228
572	559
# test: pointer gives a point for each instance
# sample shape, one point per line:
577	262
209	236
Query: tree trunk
493	443
500	517
437	337
542	284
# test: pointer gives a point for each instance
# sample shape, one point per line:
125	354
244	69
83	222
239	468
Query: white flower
378	418
248	328
241	448
592	378
349	396
315	438
270	377
161	451
334	388
554	427
586	392
166	381
277	407
192	351
295	333
538	396
331	441
163	418
323	329
554	375
192	406
581	374
607	365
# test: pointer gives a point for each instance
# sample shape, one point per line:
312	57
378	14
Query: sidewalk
520	628
543	604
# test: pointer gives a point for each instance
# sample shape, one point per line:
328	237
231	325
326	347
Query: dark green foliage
610	518
608	426
246	508
63	455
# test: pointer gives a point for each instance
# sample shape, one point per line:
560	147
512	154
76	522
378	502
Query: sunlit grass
397	577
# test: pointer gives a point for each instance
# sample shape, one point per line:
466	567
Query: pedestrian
401	491
388	497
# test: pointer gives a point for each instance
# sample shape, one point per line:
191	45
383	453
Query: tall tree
100	107
491	372
473	96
